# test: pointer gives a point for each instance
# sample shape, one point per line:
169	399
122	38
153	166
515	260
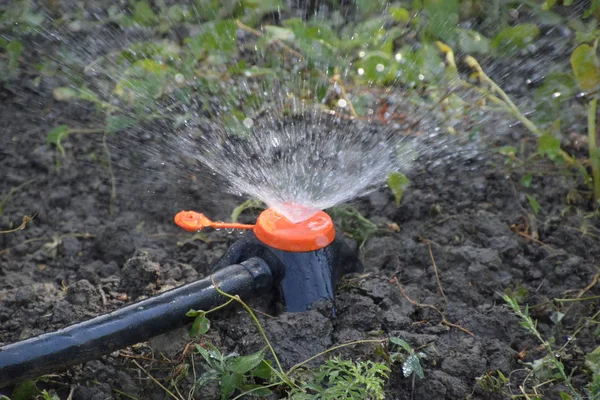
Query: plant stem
157	382
247	392
508	104
256	321
530	325
593	148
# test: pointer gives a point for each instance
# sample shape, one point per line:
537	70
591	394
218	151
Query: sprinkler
303	261
312	258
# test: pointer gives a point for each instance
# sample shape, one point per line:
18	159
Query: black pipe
132	324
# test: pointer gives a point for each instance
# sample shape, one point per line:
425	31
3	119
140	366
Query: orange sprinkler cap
193	221
275	230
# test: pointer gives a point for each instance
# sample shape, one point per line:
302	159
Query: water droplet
248	122
379	67
179	78
398	56
361	71
362	54
556	95
342	103
421	77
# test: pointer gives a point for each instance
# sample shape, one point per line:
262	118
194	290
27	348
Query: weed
354	223
493	382
246	205
549	367
343	379
233	372
408	357
12	192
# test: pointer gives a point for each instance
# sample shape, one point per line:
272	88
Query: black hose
132	324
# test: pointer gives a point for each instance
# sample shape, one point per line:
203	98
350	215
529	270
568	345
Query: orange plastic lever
193	221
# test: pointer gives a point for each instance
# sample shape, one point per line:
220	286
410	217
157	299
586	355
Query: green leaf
255	10
592	361
565	396
586	66
399	14
378	67
56	135
526	180
200	326
412	365
471	41
367	7
143	14
549	146
263	370
216	43
594	6
535	206
443	18
398	182
557	88
402	343
179	13
243	364
548	4
116	123
206	378
513	39
212	357
229	384
25	390
194	313
316	41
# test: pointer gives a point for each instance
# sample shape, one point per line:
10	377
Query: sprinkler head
306	257
275	230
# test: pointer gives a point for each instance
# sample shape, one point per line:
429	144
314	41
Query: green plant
354	223
592	362
233	372
492	382
398	183
408	357
549	367
586	68
338	379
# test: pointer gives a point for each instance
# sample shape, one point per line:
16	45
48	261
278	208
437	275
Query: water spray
304	261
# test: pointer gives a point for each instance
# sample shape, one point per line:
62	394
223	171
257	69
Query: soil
76	260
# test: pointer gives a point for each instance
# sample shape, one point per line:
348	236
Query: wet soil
468	222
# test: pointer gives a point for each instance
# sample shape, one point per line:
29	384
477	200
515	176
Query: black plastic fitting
305	277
